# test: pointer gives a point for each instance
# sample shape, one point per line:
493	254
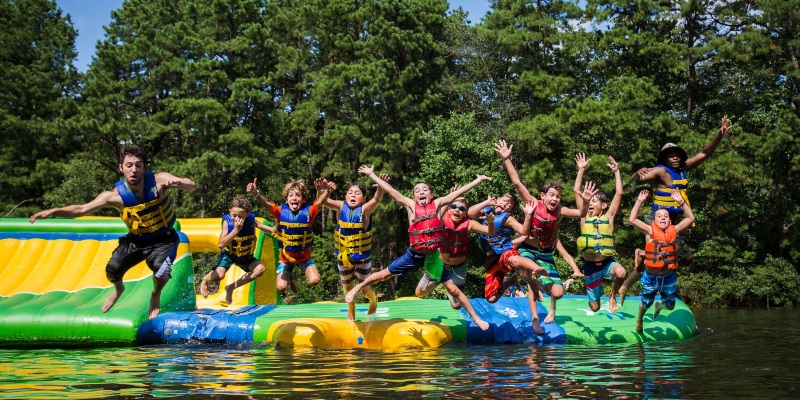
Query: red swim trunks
496	269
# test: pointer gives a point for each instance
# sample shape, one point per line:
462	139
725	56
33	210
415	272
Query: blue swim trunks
412	261
544	258
226	259
286	268
666	284
595	272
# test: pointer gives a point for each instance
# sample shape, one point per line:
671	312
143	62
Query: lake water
736	354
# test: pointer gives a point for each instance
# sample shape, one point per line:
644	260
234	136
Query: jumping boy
540	242
146	208
660	254
237	245
596	242
426	234
294	219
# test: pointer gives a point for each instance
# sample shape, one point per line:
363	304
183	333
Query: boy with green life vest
293	228
596	242
660	254
426	237
353	240
237	245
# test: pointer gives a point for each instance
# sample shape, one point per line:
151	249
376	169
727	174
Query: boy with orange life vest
353	240
293	228
426	236
596	242
660	254
237	245
540	243
671	173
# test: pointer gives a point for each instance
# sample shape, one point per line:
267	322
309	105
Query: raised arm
634	218
167	180
226	237
109	198
582	162
324	189
504	152
476	211
589	190
392	192
613	208
687	221
376	199
488	229
331	203
253	190
709	148
461	190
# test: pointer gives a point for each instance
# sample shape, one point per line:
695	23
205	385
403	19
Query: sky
90	16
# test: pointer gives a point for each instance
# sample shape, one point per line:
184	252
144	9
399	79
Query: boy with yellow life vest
540	243
660	254
353	240
147	210
237	245
453	253
426	236
293	228
671	173
596	242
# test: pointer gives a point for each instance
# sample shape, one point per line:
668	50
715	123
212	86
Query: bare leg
351	308
658	309
633	277
639	318
369	293
380	275
257	269
555	292
119	287
464	301
619	278
535	325
155	297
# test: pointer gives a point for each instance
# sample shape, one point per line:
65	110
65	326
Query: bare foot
481	324
567	283
542	272
612	304
112	299
537	288
155	305
351	295
204	288
639	325
229	292
373	306
551	316
537	328
658	309
623	291
351	312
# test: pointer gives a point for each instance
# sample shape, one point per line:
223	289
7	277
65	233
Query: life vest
426	231
456	237
501	240
662	251
545	225
244	243
662	199
150	217
596	237
294	230
352	240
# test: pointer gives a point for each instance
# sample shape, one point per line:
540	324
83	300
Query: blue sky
90	16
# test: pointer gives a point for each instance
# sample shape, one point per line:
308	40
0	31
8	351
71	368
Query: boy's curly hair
295	184
240	202
132	150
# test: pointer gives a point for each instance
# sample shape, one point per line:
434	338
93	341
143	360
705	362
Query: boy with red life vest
426	236
453	253
237	245
540	242
293	228
660	254
671	173
147	210
596	242
353	240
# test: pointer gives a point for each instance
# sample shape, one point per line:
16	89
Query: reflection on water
741	353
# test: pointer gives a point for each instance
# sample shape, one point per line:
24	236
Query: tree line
226	91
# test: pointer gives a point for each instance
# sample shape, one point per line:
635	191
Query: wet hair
359	186
240	202
552	185
132	150
295	184
513	197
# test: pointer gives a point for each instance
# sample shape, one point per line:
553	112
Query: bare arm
589	191
568	258
376	199
634	218
392	192
476	226
582	162
613	208
709	148
253	190
226	237
461	190
109	198
505	153
330	203
687	221
265	228
324	189
167	180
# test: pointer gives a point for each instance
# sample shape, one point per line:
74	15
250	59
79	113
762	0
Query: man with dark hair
146	208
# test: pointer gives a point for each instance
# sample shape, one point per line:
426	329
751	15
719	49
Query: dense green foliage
226	91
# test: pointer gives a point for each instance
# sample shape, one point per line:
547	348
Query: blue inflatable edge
204	325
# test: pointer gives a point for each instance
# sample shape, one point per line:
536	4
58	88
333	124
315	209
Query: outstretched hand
41	214
581	161
530	206
725	126
676	195
502	149
171	183
251	187
589	190
384	177
484	178
612	164
321	185
366	170
643	195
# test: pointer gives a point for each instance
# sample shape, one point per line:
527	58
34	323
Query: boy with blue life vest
453	253
294	219
596	242
660	254
237	245
540	243
147	210
426	236
671	173
353	240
